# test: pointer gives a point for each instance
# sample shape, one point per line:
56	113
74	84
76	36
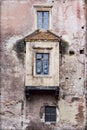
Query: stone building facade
43	65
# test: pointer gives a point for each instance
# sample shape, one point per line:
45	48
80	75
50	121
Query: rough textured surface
67	21
39	35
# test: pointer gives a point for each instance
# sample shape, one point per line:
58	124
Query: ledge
43	5
50	90
42	87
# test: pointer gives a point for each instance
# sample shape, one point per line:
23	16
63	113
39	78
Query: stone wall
86	60
18	21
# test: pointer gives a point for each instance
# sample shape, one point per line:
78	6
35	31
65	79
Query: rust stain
80	115
78	11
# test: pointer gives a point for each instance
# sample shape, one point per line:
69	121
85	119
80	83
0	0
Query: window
42	63
43	19
50	114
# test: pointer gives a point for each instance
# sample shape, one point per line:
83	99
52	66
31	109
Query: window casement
42	63
50	114
43	20
43	15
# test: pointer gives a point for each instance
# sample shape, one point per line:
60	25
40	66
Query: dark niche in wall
71	52
81	51
75	99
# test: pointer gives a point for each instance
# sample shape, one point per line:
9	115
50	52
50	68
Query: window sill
52	122
42	76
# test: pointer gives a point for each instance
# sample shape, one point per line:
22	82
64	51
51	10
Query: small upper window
42	63
43	20
50	114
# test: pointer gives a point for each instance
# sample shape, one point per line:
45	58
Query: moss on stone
20	48
63	46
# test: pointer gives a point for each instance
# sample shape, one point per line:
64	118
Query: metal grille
50	114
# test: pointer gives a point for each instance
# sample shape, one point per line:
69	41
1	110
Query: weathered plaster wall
86	60
17	21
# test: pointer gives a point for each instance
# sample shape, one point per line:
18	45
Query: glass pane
53	110
53	117
38	66
45	66
50	109
46	24
39	20
46	20
47	109
47	118
38	56
46	14
45	56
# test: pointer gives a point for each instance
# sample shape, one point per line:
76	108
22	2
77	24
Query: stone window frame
42	50
43	8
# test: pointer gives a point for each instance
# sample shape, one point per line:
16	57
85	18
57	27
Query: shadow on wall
63	46
20	49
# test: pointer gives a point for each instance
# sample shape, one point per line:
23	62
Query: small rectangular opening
50	114
82	51
71	52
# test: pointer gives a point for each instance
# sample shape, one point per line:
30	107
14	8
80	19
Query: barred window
50	114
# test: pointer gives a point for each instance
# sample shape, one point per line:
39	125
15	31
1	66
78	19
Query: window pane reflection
42	63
